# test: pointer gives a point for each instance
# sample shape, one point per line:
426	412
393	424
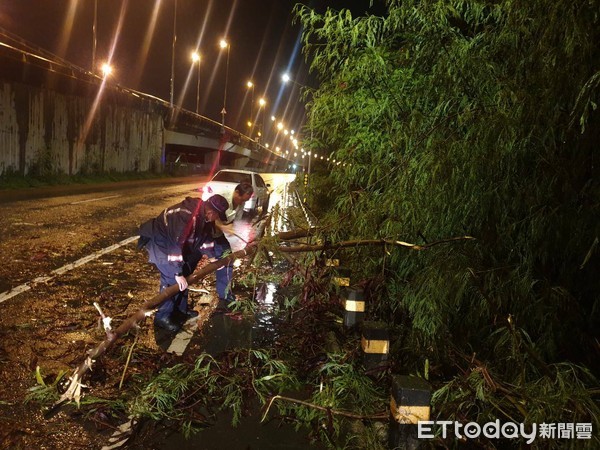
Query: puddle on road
226	331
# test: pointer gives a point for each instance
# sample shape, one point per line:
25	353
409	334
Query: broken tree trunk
73	391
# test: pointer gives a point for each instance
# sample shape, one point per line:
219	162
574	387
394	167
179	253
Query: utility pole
173	52
94	34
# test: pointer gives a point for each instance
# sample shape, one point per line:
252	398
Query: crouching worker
176	241
230	230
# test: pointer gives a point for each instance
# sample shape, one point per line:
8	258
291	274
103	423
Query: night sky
264	43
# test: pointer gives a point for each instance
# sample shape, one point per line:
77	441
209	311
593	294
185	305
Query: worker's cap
220	205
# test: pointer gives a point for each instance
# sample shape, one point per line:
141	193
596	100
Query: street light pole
173	52
196	59
225	44
94	40
250	86
261	103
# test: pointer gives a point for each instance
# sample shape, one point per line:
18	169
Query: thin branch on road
357	243
351	415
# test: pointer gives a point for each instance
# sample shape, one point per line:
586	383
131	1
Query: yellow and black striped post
409	404
354	306
375	343
332	262
341	277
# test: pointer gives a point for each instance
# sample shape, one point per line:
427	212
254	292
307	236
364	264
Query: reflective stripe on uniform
173	211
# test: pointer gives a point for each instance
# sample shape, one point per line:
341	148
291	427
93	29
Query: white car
225	181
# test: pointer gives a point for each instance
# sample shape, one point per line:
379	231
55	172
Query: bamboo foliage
179	391
468	118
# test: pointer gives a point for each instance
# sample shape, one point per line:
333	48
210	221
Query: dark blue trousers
218	247
225	273
177	302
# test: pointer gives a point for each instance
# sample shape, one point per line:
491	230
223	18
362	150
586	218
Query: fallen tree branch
379	416
73	392
128	360
357	243
296	234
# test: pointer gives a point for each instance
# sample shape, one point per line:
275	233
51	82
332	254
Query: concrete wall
44	131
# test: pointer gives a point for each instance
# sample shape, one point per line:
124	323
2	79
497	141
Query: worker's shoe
221	306
167	324
190	314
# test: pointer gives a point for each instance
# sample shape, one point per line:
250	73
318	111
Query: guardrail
308	214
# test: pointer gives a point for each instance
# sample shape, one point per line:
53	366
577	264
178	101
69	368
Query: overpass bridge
56	117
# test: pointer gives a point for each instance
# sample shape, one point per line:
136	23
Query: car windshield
233	177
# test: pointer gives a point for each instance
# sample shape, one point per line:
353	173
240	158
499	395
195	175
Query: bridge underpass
60	118
200	144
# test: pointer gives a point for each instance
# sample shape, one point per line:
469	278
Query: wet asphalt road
45	228
54	324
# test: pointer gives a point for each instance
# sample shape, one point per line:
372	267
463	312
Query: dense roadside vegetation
450	118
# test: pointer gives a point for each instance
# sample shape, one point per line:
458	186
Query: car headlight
206	192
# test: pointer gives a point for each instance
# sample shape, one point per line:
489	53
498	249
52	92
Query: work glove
182	282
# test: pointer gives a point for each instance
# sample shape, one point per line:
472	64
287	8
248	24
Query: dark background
264	43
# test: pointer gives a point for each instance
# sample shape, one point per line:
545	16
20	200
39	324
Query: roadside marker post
409	403
354	306
375	343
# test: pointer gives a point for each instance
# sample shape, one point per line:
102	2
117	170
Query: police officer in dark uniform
176	241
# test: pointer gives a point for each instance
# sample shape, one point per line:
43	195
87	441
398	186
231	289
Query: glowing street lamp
196	60
286	79
225	45
106	70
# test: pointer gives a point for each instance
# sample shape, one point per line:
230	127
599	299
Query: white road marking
94	199
182	339
16	291
27	286
121	434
